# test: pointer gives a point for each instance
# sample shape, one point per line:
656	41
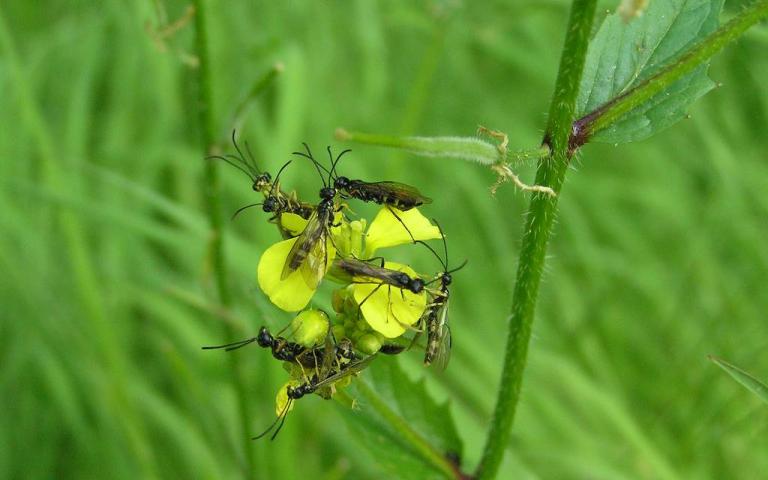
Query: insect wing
405	194
329	355
351	369
438	336
309	253
365	271
443	353
317	262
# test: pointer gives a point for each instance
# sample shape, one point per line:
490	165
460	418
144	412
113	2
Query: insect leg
232	346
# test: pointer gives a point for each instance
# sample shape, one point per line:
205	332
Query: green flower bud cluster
349	323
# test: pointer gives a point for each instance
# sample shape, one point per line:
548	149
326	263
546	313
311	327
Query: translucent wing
348	370
329	355
400	190
395	193
443	353
365	271
438	336
317	262
309	253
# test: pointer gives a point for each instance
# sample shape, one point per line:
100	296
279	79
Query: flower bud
338	298
368	343
339	332
310	327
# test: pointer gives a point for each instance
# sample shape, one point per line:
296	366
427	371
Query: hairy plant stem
611	112
540	217
471	149
430	455
216	251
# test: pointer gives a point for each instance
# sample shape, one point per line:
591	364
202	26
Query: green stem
472	149
208	139
465	148
540	217
419	443
241	110
609	113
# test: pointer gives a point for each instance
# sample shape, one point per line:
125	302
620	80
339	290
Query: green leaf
413	402
622	55
389	451
751	383
406	431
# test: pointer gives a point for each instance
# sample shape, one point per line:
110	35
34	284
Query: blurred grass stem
540	217
216	250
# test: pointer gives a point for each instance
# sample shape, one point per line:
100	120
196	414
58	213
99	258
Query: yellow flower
390	310
387	231
292	223
281	400
291	293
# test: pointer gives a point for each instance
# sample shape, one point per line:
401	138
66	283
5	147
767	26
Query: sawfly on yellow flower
315	384
309	253
276	201
398	195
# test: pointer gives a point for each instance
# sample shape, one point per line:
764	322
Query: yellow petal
291	294
387	231
281	400
390	310
292	223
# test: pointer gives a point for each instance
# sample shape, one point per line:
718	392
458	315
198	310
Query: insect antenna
245	208
445	245
240	162
232	346
445	249
463	264
332	173
280	419
282	422
251	157
317	165
238	165
422	242
277	177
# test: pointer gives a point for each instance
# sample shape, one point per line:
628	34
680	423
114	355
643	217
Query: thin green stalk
540	217
208	140
419	443
612	111
747	380
472	149
243	108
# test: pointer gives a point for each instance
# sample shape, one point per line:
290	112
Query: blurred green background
659	256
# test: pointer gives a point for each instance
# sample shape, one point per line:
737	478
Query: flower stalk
540	217
216	248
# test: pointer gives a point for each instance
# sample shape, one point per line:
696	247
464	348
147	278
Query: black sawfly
364	271
323	381
435	316
287	351
398	195
276	201
309	253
